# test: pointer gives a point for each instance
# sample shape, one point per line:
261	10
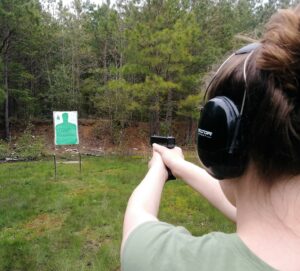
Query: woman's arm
144	202
197	178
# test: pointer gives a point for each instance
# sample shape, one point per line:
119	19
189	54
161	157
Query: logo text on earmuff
205	133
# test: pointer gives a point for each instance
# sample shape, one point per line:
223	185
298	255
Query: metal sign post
55	169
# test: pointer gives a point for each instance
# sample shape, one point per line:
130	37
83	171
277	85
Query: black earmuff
218	138
220	141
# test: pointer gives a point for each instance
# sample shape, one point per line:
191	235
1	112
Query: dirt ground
96	138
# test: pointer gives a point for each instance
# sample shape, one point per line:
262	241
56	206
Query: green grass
75	222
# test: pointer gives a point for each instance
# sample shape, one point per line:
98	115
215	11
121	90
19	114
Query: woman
259	163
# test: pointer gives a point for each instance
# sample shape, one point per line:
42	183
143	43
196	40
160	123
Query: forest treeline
132	61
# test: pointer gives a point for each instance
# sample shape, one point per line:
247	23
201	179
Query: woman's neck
268	220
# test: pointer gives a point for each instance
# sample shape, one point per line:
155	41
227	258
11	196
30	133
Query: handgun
167	141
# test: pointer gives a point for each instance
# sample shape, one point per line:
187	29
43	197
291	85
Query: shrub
28	146
4	149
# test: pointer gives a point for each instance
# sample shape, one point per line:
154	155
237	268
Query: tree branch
6	40
245	38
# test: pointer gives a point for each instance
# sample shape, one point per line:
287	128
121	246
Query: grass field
75	222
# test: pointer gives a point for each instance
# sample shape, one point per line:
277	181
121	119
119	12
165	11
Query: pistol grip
170	175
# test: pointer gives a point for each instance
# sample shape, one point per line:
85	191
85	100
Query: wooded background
132	61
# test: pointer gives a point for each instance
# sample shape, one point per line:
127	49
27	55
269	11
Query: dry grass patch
44	223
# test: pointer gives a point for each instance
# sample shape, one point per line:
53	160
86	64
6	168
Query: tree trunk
189	134
154	123
105	79
73	64
49	82
169	113
154	118
6	115
48	74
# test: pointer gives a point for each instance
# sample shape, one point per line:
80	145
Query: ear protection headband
219	141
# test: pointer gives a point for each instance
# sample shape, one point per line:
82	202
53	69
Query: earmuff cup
219	141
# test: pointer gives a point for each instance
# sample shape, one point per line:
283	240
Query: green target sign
65	128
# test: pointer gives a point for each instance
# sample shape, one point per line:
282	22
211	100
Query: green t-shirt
158	246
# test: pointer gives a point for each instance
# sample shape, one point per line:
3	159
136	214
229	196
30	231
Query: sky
52	8
99	2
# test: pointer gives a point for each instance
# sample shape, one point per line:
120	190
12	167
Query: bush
28	146
4	150
101	130
111	129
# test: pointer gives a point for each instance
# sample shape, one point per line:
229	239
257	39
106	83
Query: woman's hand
157	163
172	158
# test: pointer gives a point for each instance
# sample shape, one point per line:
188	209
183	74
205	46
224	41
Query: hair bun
280	51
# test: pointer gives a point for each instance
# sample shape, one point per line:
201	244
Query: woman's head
270	126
